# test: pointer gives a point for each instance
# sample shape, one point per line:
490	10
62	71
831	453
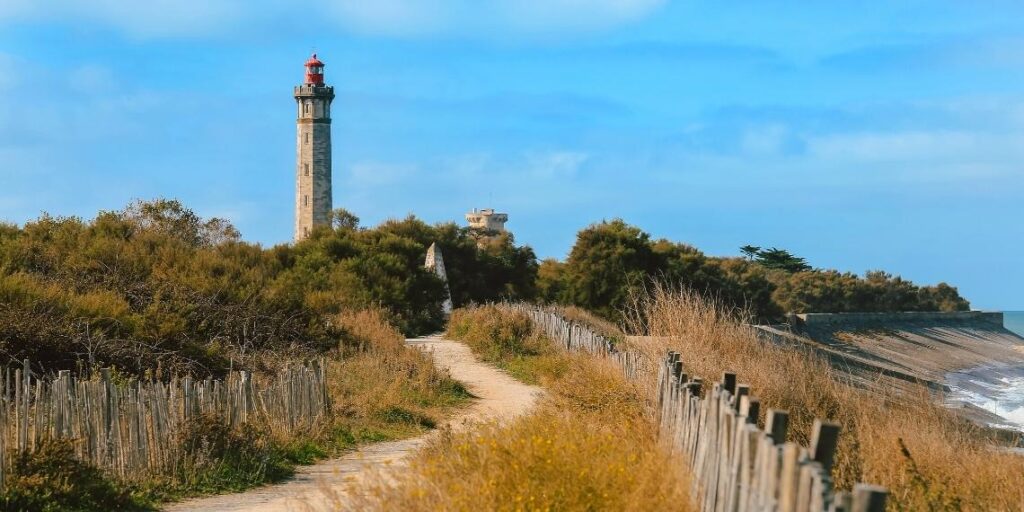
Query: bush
156	285
51	479
218	458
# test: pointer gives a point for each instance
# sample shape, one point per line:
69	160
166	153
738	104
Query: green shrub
51	479
155	284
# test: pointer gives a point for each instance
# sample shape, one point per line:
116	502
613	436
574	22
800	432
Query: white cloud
405	18
91	79
544	15
763	140
555	164
393	17
375	174
152	18
894	146
489	18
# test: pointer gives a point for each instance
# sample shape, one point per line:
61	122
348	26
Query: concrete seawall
924	348
855	320
910	346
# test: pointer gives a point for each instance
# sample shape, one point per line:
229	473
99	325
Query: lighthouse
313	151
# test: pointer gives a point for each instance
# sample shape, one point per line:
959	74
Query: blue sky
860	135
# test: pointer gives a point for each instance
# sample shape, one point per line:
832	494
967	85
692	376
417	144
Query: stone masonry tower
313	151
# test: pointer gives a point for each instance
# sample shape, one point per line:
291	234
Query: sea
1014	321
996	389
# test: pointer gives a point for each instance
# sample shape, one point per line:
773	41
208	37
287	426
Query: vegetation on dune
380	390
52	480
154	290
155	285
590	445
612	261
927	457
507	340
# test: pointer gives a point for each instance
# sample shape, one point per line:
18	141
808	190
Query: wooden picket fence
712	427
571	336
130	428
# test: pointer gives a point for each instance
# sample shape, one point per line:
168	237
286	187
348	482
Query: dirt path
499	397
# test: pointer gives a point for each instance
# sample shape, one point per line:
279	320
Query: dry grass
506	339
382	388
589	446
928	458
594	322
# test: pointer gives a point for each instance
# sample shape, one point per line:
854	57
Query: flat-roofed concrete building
487	219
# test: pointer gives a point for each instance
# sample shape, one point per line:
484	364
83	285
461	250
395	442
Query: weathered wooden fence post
869	498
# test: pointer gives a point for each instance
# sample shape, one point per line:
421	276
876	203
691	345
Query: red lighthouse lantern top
314	71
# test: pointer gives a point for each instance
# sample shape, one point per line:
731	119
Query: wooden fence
130	428
712	427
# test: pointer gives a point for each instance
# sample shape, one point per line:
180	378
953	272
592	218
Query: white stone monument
435	264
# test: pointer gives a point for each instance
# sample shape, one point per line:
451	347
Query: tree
780	259
612	260
608	261
550	280
343	219
750	251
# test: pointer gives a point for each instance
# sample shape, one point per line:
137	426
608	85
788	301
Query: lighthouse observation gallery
313	151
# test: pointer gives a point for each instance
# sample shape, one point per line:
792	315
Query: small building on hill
487	220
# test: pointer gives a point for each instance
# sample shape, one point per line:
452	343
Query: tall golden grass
589	446
383	388
507	339
929	458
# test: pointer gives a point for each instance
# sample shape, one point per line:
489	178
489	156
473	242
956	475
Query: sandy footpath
498	397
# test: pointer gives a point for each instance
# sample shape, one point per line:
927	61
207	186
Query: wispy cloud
402	18
483	17
991	51
374	174
555	164
153	18
923	155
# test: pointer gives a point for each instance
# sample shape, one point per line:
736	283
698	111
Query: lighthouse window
307	169
306	108
307	137
305	200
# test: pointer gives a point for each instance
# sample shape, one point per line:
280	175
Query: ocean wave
996	389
